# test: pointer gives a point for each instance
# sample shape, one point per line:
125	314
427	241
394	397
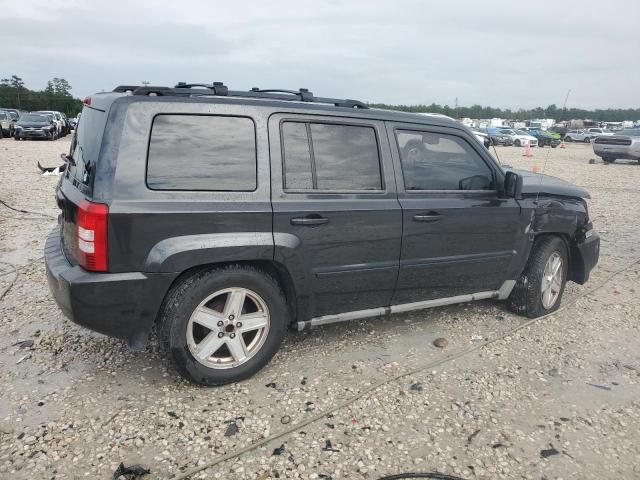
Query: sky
506	54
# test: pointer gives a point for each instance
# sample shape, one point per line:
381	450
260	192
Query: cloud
499	53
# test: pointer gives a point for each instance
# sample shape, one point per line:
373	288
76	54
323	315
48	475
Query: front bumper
617	151
586	257
122	305
22	133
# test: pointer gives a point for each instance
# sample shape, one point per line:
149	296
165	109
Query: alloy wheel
551	280
228	328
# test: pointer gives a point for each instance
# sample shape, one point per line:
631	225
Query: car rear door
336	219
459	235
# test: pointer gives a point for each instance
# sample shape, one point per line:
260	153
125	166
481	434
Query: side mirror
513	185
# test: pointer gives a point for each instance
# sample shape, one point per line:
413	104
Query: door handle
431	217
310	221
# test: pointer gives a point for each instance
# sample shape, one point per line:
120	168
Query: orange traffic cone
535	168
527	151
562	143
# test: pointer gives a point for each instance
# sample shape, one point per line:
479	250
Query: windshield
522	132
30	117
3	115
507	131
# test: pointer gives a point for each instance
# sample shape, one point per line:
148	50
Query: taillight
92	236
87	101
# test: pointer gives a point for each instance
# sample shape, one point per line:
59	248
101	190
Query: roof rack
219	89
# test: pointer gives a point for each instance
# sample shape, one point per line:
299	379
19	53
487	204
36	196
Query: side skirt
500	294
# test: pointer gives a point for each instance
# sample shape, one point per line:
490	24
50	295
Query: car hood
534	183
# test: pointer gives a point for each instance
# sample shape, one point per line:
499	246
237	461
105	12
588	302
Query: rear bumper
122	305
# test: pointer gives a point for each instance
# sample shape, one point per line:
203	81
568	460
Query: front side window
330	157
438	161
202	152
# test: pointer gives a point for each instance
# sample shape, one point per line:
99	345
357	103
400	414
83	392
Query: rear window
202	152
330	157
85	147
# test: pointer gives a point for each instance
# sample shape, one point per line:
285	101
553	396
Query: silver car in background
624	144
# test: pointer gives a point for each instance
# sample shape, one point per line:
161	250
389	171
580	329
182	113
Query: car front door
336	218
460	236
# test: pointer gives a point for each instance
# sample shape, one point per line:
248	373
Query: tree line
552	111
56	96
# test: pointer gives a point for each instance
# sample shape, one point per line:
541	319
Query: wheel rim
228	328
551	280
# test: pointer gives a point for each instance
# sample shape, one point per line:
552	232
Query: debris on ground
279	450
416	387
328	447
601	387
271	385
549	452
24	343
232	429
285	419
133	472
440	342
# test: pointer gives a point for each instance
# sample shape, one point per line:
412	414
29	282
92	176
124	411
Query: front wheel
539	289
587	140
223	325
568	139
518	143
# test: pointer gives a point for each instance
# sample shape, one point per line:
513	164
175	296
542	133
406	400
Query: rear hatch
76	186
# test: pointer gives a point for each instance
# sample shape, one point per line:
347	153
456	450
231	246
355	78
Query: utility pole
145	83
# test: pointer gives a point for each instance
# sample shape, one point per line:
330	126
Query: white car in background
596	132
578	136
520	137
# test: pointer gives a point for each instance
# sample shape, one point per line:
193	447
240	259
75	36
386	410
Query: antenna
544	166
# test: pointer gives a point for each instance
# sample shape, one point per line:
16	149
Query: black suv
227	217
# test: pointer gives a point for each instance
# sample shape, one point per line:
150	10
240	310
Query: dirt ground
559	398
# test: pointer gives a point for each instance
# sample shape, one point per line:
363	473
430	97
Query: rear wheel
568	139
608	159
587	140
223	325
539	289
518	143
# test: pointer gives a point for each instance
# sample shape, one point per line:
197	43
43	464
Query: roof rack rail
125	88
219	89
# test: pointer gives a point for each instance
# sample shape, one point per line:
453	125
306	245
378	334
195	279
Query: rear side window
202	152
330	157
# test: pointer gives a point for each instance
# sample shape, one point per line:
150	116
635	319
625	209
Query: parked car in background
57	117
223	223
6	124
35	125
579	135
595	132
544	137
561	131
67	125
498	137
73	122
14	113
625	144
520	138
482	137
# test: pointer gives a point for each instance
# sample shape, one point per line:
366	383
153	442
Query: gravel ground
76	404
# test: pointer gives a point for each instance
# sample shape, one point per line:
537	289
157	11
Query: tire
17	139
527	297
518	143
568	139
587	140
608	159
210	291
